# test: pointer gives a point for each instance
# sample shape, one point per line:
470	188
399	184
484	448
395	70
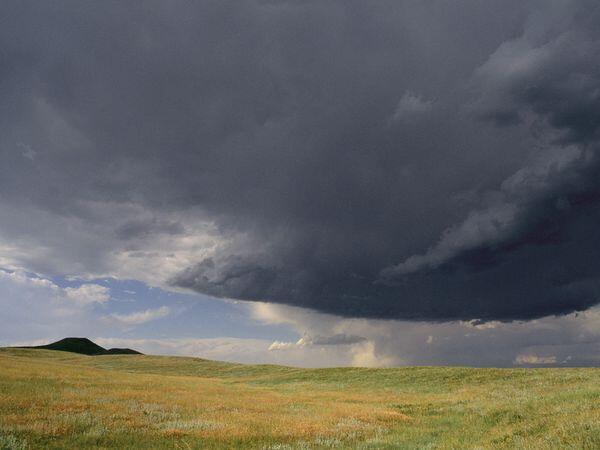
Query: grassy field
52	399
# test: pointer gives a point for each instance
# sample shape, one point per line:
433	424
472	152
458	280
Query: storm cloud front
427	161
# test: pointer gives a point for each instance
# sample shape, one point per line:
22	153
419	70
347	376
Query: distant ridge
85	347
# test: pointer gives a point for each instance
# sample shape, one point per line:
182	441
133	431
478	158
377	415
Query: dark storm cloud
137	228
331	143
336	339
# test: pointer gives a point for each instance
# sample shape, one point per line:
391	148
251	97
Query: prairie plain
55	399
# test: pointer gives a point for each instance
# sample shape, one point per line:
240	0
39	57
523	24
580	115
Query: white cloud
22	278
140	317
529	359
366	355
87	294
34	307
307	340
92	246
280	345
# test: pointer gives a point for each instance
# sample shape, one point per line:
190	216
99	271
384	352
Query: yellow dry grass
58	400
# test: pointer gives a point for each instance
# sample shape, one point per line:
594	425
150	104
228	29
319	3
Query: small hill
85	347
122	351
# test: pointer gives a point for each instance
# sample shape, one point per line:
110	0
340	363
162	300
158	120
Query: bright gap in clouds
131	314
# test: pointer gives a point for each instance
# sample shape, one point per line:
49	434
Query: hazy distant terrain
55	399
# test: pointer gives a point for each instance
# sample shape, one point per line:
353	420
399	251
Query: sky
312	183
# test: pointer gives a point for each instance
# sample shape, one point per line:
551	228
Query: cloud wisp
139	317
307	340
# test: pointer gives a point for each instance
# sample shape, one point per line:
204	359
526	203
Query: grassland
52	399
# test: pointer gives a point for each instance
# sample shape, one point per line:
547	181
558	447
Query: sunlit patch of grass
189	425
57	400
10	442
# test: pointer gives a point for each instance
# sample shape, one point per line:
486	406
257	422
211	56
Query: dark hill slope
85	347
122	351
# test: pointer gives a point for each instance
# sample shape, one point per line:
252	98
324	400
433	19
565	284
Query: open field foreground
52	399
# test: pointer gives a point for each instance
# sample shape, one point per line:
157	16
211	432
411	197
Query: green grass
53	399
